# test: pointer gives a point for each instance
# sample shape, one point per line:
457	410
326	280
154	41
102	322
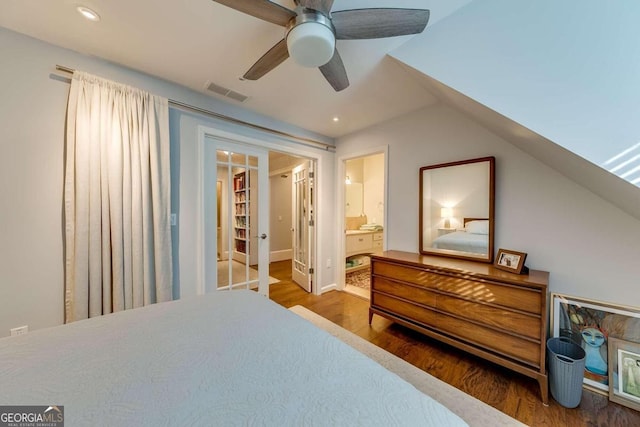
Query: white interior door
303	225
236	198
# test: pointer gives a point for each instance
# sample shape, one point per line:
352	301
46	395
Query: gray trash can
566	370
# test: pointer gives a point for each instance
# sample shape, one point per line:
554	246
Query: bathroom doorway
364	218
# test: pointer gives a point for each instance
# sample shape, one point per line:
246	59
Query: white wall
281	211
590	247
32	117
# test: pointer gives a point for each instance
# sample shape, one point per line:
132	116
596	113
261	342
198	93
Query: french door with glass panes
236	216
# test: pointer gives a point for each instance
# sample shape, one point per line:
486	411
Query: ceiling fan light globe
311	44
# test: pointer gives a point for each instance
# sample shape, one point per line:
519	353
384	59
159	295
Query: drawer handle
360	240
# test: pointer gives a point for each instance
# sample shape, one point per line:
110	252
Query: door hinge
311	224
311	270
311	174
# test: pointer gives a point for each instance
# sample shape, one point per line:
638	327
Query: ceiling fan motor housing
311	39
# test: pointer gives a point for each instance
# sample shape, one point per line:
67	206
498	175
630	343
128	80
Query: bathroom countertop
362	231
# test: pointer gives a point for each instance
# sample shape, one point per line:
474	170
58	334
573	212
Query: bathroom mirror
457	209
354	199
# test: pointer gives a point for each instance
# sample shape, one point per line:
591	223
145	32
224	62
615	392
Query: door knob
263	236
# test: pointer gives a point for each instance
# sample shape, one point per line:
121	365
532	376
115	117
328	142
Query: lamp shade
446	212
311	44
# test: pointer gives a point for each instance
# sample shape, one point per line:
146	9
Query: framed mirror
457	209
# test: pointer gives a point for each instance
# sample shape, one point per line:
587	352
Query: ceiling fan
312	31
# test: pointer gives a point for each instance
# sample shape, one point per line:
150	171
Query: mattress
227	358
463	241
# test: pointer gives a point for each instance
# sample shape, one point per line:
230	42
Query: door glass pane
222	156
237	222
238	159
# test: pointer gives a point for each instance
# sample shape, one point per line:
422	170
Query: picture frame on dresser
511	261
593	325
624	369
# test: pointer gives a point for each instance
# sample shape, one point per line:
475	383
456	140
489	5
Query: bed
474	238
226	358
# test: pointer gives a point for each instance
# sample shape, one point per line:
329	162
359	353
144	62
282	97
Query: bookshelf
241	215
245	216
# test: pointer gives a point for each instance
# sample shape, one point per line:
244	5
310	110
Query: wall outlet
20	330
174	219
328	262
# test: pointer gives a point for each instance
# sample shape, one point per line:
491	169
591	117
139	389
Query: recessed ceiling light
91	15
336	119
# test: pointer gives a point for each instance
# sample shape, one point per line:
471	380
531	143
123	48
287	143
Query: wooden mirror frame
488	257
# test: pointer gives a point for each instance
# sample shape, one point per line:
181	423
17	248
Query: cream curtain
116	199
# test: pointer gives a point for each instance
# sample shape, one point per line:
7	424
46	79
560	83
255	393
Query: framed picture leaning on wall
591	325
624	373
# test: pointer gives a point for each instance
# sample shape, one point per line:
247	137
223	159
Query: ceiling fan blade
262	9
335	72
319	5
378	23
270	60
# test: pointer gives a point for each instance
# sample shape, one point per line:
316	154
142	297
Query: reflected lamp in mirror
469	185
446	214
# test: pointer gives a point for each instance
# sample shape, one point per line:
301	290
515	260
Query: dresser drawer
406	274
507	320
420	296
407	310
508	296
377	236
514	347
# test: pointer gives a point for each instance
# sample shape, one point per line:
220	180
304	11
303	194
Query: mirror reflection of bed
472	238
456	209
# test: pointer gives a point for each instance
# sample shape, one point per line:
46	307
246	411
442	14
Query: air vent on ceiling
220	90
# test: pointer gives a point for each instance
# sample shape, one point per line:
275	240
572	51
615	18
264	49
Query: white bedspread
228	358
463	241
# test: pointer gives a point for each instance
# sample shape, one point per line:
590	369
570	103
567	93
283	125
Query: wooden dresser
494	314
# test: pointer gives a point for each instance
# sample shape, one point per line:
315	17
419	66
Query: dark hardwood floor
514	394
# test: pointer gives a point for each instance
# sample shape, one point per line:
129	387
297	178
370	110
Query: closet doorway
246	206
364	218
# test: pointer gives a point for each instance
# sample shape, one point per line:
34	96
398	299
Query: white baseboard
282	255
327	288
